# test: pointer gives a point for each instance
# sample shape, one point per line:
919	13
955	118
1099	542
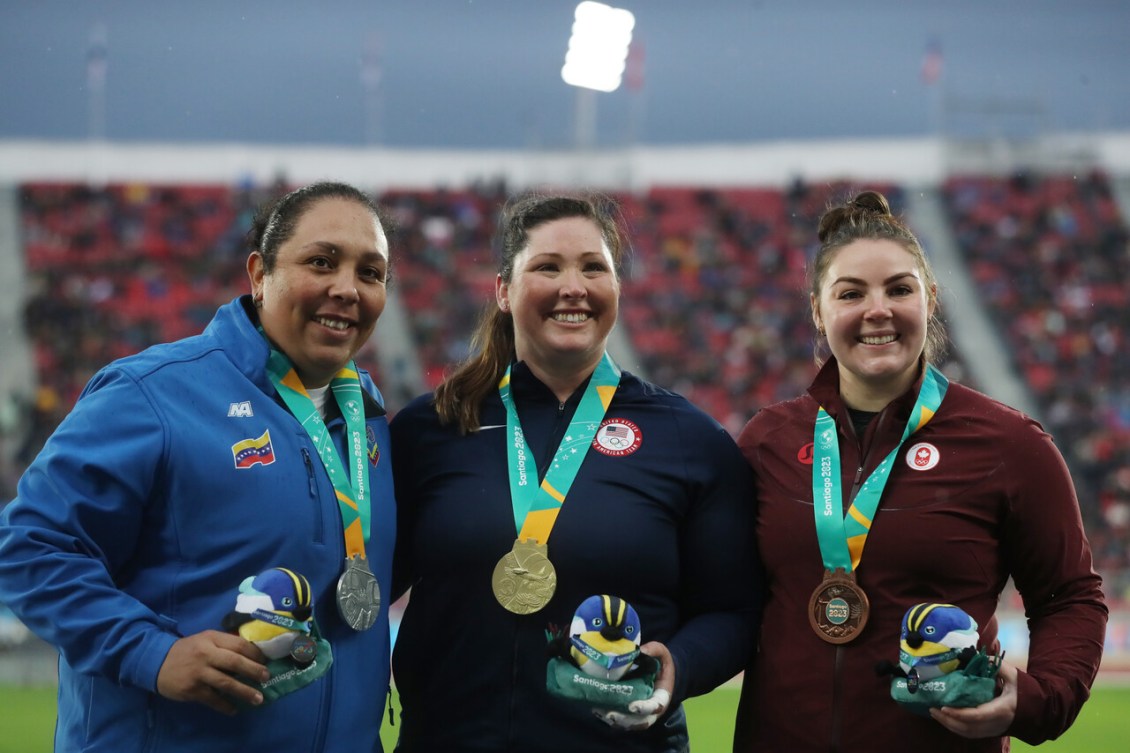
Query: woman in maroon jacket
925	492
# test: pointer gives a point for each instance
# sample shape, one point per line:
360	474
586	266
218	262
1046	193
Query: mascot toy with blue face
605	637
598	660
940	663
274	610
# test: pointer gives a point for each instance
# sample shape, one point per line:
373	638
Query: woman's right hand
990	719
201	668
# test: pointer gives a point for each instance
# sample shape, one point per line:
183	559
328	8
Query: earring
257	301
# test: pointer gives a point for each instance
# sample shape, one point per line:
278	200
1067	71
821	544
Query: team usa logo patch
922	456
617	437
374	450
249	452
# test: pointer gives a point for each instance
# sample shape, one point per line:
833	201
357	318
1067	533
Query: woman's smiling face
322	299
874	307
564	295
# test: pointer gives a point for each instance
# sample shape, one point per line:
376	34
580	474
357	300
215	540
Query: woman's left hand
642	714
990	719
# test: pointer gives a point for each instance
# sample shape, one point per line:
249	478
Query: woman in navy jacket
659	513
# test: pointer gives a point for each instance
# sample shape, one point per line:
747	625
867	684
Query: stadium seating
1048	253
714	293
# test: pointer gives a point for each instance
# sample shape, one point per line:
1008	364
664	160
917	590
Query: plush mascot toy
275	611
605	637
939	661
599	661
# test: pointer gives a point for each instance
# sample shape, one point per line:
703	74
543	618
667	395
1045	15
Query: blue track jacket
135	526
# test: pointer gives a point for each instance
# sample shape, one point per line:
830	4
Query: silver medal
358	595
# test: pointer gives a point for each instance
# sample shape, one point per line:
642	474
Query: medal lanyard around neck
352	500
536	507
842	536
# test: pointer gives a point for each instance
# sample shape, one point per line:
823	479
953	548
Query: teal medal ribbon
839	608
524	579
358	596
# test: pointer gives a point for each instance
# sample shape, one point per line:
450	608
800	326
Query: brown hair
458	398
868	216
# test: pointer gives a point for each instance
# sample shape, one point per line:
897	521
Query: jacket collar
236	327
825	390
527	387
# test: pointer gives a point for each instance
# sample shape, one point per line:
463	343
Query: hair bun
871	201
854	209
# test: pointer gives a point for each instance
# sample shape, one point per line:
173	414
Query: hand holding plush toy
939	661
274	610
599	660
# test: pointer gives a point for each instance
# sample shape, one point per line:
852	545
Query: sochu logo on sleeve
617	437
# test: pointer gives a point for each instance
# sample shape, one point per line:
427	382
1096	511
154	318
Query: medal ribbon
352	499
842	536
536	506
281	620
602	659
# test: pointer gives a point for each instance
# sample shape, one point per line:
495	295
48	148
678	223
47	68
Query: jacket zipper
312	483
837	711
551	449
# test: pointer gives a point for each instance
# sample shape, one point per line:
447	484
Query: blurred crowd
713	292
1051	259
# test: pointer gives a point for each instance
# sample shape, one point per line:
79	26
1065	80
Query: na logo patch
240	410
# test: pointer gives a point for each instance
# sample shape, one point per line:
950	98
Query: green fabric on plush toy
939	661
274	610
599	661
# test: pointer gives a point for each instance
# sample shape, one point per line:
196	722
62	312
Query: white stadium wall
905	161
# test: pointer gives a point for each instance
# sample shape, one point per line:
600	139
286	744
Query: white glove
640	715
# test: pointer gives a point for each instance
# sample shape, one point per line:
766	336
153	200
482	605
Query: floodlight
598	48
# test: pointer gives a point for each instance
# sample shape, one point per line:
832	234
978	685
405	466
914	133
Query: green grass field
29	717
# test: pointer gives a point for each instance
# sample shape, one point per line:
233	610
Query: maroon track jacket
999	502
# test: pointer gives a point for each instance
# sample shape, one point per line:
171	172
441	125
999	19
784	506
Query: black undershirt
860	419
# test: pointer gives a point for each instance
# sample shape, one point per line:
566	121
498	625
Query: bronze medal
524	579
358	595
838	609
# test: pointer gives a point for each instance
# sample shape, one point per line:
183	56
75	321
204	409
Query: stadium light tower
595	61
96	65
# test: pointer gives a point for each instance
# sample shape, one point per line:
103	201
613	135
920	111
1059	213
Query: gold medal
524	579
838	609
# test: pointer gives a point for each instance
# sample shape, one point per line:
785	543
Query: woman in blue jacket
194	465
646	499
